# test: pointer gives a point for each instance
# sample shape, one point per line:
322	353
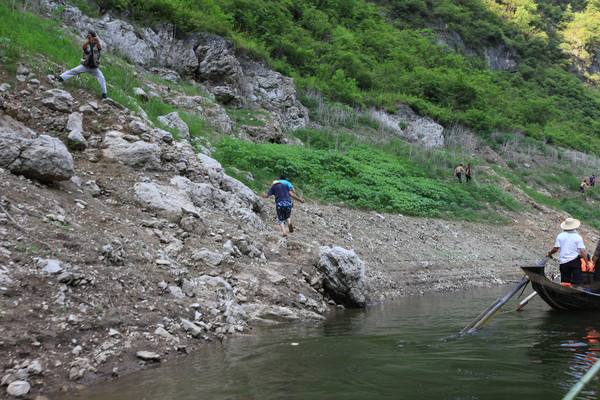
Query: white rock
113	332
18	388
176	292
35	368
162	332
208	257
58	100
138	154
50	266
148	355
172	120
191	327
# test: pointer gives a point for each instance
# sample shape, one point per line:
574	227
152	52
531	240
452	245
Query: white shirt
569	242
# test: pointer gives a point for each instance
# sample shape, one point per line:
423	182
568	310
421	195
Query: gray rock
138	127
162	332
162	135
407	124
18	388
344	275
76	141
58	100
191	328
5	87
138	154
176	292
170	200
500	58
208	257
50	266
172	120
147	355
75	122
43	158
265	313
141	93
35	368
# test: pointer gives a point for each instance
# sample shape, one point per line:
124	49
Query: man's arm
295	196
583	254
554	250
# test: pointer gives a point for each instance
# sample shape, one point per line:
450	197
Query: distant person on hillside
284	191
593	180
90	62
468	172
572	250
459	171
583	185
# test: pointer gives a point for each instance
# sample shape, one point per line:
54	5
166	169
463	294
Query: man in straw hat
571	247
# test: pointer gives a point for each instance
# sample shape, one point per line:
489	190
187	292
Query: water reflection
394	351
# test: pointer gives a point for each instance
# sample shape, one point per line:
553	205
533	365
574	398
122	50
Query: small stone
50	266
77	350
161	261
35	368
191	328
163	285
176	292
162	332
113	333
148	355
301	298
5	87
18	388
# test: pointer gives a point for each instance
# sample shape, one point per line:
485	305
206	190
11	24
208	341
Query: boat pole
491	310
578	387
525	301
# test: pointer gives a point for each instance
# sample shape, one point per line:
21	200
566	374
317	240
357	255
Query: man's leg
565	273
100	78
73	72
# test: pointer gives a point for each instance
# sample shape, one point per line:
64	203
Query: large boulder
167	199
138	154
44	158
343	276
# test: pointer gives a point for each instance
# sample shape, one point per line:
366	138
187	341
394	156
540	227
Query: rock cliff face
232	77
410	126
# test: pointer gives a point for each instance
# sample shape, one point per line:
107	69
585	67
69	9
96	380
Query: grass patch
364	177
245	116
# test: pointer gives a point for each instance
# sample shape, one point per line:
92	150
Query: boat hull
561	297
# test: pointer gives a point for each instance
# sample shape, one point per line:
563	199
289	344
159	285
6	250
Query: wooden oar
578	387
492	309
525	301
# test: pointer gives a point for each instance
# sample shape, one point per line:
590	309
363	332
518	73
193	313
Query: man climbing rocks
90	62
284	191
468	172
459	171
572	249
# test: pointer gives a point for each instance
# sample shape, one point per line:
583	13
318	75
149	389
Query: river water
401	350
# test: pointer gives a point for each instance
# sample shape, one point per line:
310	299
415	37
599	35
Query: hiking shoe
60	79
291	228
104	95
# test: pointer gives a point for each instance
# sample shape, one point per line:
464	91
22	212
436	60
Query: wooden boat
562	297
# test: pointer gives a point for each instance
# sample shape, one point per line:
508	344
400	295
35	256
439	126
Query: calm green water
400	350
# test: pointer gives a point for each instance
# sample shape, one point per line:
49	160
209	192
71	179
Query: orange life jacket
587	265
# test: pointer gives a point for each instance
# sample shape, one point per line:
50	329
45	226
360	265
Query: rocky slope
121	247
148	247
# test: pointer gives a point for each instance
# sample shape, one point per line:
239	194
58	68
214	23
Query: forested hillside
389	51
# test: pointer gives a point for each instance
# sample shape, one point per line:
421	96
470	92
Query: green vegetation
364	176
353	53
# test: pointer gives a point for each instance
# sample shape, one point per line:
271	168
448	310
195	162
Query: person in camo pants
90	64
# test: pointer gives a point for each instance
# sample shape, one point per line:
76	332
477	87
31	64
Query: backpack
92	57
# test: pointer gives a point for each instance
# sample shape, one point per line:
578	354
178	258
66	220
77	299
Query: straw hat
569	224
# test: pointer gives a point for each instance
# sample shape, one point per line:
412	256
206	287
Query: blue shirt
281	191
